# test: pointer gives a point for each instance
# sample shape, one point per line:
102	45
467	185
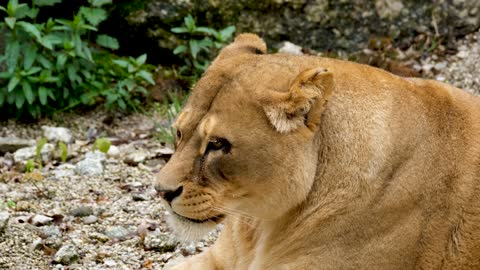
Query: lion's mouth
215	219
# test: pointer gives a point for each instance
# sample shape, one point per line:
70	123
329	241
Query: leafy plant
63	151
30	165
102	144
201	46
53	65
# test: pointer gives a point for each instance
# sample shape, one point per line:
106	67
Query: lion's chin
189	230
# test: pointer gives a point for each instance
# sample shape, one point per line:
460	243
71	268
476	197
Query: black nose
169	195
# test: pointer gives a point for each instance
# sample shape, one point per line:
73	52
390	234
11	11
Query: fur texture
316	163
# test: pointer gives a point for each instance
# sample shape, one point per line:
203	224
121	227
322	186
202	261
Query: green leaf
102	144
38	151
12	52
205	44
5	75
30	165
31	29
72	72
108	42
93	15
180	49
44	61
179	30
32	13
194	48
141	59
41	3
206	30
10	21
19	100
63	151
227	32
61	60
121	104
30	71
189	23
120	63
29	57
27	90
43	94
147	76
13	83
54	38
99	3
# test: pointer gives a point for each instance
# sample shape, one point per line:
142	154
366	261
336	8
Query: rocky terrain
96	210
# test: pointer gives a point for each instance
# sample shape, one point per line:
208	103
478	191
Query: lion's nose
169	195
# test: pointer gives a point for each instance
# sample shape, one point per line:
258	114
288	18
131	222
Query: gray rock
37	244
53	242
82	211
57	134
67	254
113	151
90	220
4	217
89	167
49	231
64	170
11	144
4	188
160	242
117	232
136	157
290	48
24	154
96	155
40	220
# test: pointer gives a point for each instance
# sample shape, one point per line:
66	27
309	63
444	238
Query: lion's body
384	175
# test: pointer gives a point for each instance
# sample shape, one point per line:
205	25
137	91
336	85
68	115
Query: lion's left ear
304	102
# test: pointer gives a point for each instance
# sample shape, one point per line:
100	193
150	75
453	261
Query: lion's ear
244	43
304	102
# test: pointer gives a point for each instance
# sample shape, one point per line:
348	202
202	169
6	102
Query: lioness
316	163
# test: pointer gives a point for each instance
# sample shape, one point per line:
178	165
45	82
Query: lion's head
246	142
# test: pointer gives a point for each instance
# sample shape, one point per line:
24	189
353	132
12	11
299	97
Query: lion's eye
219	144
179	134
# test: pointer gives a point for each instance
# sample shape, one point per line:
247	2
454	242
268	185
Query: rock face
58	134
316	24
13	144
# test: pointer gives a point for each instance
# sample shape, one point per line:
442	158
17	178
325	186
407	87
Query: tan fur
333	165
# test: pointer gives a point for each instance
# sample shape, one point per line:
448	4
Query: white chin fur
186	230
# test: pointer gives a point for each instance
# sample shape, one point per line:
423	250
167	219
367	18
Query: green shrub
201	45
53	66
169	110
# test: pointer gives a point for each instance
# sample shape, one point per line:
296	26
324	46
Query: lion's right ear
304	102
244	43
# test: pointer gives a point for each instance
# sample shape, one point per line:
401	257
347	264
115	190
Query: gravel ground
57	218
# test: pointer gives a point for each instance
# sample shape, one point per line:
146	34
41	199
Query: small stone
23	206
462	54
165	151
136	157
117	232
96	155
89	219
40	220
190	250
64	170
82	211
67	254
4	188
4	217
37	244
99	237
50	231
160	242
290	48
11	144
56	134
53	242
440	66
89	167
113	151
138	197
24	154
109	263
